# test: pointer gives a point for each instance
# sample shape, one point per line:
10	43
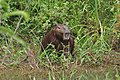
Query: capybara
60	37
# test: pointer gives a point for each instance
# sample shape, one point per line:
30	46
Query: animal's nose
67	35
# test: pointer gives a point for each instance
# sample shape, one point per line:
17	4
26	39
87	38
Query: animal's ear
55	25
64	23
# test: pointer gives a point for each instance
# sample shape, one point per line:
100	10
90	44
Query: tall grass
24	23
10	33
5	31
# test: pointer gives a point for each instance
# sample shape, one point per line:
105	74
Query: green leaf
4	5
22	13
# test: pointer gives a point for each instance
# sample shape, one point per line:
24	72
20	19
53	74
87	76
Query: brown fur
55	37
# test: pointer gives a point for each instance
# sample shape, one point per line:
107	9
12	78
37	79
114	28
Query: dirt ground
27	71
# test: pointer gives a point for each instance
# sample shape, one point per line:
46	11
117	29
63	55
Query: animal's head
62	31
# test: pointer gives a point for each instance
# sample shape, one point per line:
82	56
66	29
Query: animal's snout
67	30
66	36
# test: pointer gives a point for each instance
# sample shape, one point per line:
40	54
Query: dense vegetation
93	23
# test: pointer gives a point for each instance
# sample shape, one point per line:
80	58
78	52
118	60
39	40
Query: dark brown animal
61	38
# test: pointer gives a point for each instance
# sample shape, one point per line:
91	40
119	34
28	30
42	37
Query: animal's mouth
66	36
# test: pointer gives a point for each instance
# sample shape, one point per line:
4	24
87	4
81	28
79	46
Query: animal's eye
58	27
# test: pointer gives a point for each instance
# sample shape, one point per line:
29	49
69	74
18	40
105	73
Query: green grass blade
10	33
